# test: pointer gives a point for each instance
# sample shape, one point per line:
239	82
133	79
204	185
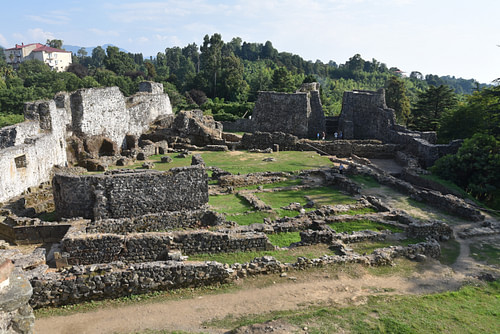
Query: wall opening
106	148
21	161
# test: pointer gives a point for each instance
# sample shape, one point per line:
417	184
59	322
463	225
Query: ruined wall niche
300	114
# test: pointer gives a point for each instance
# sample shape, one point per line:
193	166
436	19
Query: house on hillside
57	59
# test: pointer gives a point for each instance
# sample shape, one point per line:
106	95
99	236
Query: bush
475	167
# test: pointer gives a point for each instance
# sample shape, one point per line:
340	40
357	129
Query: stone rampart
126	194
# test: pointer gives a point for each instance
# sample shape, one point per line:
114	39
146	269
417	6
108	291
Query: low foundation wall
24	231
84	249
96	282
166	221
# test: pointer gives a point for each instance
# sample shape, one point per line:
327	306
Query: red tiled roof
48	49
21	46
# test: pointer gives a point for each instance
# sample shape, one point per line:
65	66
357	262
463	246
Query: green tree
233	86
98	55
283	80
480	113
118	61
395	97
211	58
431	105
475	167
55	43
82	53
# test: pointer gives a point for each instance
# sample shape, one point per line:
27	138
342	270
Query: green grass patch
469	310
228	204
369	246
284	255
450	250
320	195
251	217
286	161
486	252
361	225
281	184
365	181
10	119
360	211
284	239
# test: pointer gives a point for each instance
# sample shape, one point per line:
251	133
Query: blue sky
443	37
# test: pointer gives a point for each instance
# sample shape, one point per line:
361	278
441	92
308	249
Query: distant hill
75	48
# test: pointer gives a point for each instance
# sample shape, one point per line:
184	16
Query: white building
57	59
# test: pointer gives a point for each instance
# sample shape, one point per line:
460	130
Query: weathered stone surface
124	194
16	316
366	116
300	114
29	150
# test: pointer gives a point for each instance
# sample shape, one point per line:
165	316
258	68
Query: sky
443	37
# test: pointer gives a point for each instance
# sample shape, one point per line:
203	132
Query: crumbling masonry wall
130	193
300	114
365	116
29	150
106	112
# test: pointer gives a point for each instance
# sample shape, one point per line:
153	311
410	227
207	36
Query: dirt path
286	294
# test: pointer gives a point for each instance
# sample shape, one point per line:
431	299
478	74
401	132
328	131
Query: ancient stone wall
21	230
155	222
29	150
126	194
106	112
96	282
365	116
145	247
300	114
340	148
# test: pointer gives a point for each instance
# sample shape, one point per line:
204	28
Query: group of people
336	135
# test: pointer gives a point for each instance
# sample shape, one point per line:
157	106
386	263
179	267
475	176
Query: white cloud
40	36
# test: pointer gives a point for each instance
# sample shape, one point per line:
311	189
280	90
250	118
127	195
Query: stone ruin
29	150
132	229
300	114
365	115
